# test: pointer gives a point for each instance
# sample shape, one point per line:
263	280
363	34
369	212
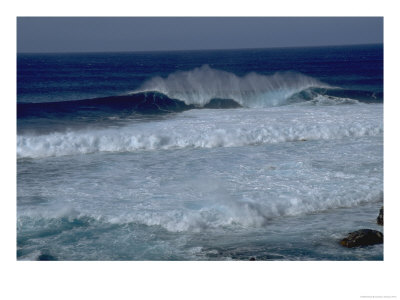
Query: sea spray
200	85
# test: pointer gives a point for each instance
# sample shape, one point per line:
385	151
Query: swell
145	103
154	102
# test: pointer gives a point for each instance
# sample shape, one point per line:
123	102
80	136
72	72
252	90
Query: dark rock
363	237
252	259
46	257
379	219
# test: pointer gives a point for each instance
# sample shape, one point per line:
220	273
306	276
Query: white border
197	280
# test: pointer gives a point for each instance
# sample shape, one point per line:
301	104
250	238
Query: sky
103	34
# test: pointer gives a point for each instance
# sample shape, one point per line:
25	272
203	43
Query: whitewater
210	129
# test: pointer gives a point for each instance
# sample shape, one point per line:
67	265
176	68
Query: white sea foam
226	211
246	213
329	100
201	189
211	129
200	85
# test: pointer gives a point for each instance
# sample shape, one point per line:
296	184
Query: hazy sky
82	34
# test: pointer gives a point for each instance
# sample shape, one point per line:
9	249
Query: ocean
265	154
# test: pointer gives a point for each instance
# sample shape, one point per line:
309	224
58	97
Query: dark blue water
57	77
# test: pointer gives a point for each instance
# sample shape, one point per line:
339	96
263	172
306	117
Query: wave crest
200	85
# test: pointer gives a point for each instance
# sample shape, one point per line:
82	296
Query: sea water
272	154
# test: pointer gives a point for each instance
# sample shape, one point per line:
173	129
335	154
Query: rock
379	219
252	259
363	237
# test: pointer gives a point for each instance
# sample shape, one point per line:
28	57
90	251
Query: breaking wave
205	131
199	86
202	87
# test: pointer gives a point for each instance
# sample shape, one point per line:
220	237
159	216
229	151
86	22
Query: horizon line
188	50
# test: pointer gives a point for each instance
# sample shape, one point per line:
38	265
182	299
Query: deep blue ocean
271	154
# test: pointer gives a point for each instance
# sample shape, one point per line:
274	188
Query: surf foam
211	128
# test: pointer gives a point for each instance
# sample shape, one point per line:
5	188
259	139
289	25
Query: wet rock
252	259
363	237
379	219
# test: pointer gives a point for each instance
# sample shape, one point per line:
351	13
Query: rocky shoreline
364	237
